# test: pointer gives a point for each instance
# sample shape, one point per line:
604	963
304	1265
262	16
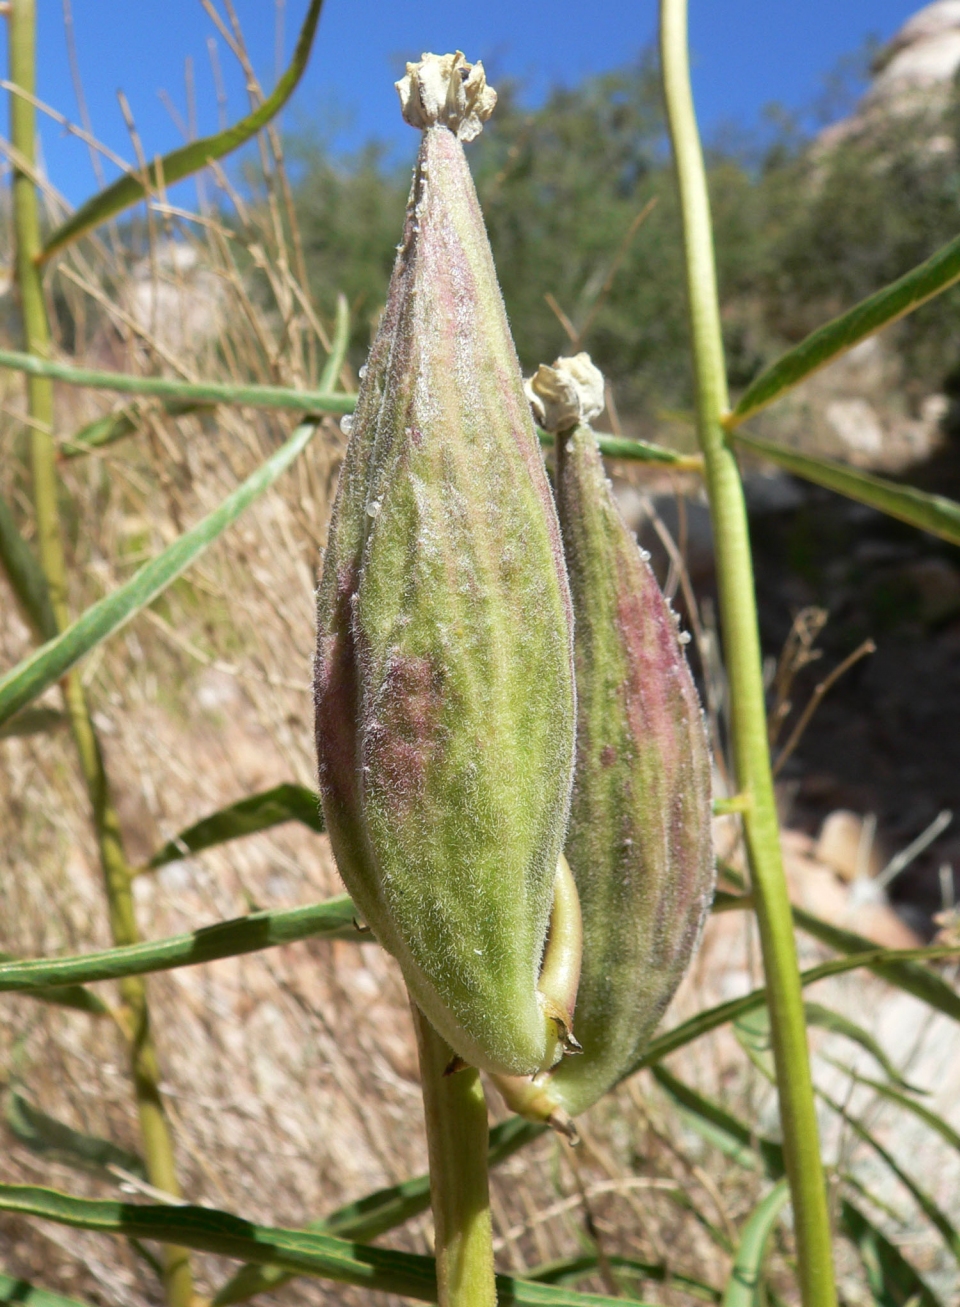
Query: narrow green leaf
48	663
25	576
943	1128
190	158
283	803
641	451
933	513
753	1033
828	342
47	1136
373	1215
338	346
570	1269
187	396
332	919
117	426
737	1142
703	1022
838	1024
21	1293
33	721
911	977
892	1280
199	393
934	1214
721	1128
747	1270
72	996
299	1251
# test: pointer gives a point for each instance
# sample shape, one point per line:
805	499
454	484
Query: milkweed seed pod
444	676
639	839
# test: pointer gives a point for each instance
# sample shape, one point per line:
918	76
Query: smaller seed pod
639	840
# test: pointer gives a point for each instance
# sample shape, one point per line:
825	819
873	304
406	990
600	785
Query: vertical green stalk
741	645
455	1113
157	1144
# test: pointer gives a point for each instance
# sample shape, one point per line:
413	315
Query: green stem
455	1113
741	645
158	1148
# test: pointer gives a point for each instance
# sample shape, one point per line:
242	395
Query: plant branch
455	1113
158	1148
743	661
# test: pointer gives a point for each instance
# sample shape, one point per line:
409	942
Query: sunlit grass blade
33	721
703	1022
642	451
332	919
25	576
330	375
373	1215
746	1272
933	513
117	426
570	1269
711	1018
176	391
190	158
72	996
721	1128
53	1139
302	1252
886	1266
892	1280
48	663
934	1213
21	1293
753	1034
828	342
943	1128
911	977
187	396
259	812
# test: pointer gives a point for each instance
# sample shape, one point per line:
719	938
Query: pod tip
445	90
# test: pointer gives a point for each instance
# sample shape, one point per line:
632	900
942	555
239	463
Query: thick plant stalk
157	1145
455	1113
743	663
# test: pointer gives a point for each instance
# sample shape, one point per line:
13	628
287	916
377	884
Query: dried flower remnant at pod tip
566	394
445	700
445	89
639	840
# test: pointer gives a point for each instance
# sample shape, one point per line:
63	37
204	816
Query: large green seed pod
639	840
444	675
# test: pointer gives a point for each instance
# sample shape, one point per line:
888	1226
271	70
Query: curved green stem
455	1113
158	1148
741	644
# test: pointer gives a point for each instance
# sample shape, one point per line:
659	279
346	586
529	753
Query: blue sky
746	53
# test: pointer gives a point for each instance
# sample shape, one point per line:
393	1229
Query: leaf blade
331	919
72	996
259	812
44	666
372	1215
303	1252
911	977
934	513
21	1293
828	342
176	391
25	576
190	158
747	1270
